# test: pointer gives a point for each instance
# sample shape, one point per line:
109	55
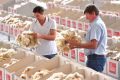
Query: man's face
90	17
38	16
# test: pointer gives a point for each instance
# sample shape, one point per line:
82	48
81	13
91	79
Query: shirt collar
46	20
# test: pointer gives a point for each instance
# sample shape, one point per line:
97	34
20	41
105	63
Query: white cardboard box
1	74
8	75
113	68
66	54
25	61
74	54
82	58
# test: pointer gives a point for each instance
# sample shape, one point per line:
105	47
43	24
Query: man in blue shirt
96	40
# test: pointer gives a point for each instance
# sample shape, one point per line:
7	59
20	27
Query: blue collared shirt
97	31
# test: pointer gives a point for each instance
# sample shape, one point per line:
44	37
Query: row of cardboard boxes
112	67
60	65
36	63
77	8
74	24
12	30
80	25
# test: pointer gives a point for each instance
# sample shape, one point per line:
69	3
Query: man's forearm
86	45
47	37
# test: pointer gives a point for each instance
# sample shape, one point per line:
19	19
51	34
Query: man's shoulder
50	19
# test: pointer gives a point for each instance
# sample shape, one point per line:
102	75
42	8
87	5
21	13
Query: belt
94	56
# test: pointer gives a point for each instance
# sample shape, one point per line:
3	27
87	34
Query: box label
86	26
74	24
68	23
8	77
63	22
1	75
11	30
73	54
57	20
80	26
66	54
110	32
81	57
112	67
116	33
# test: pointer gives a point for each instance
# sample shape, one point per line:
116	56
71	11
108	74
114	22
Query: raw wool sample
17	21
114	43
26	70
24	76
57	76
74	76
117	57
3	50
6	53
62	44
114	55
71	34
27	39
12	61
2	14
5	45
62	76
40	74
64	37
94	75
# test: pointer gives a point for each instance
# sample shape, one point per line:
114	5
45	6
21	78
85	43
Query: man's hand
73	44
36	35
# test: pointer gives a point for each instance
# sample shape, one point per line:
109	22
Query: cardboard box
66	54
74	24
66	69
11	30
63	21
33	64
2	27
106	77
74	54
110	32
113	68
57	18
48	64
16	77
25	61
66	66
80	26
8	75
69	24
6	29
15	32
82	58
19	55
90	74
4	44
86	26
1	73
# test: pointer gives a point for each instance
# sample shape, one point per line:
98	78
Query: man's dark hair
38	9
90	9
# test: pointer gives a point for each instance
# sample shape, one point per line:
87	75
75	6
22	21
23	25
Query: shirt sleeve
95	32
53	25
